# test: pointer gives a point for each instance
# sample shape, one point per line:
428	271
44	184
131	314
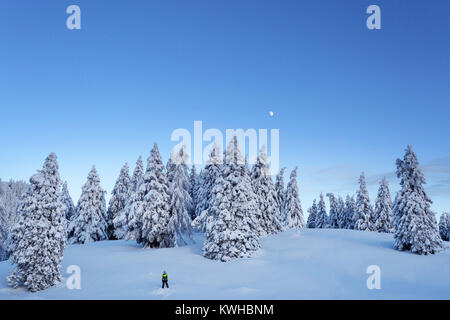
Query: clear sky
345	99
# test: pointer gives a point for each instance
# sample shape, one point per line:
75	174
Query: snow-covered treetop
321	220
137	174
177	158
333	217
362	196
411	177
215	156
92	179
293	208
51	164
50	168
155	160
180	157
262	158
279	187
233	154
312	214
384	196
279	182
123	176
362	184
120	193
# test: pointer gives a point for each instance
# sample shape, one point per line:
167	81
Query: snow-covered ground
310	264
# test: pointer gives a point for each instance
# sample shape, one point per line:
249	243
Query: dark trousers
165	282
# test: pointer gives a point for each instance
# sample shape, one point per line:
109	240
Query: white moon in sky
271	113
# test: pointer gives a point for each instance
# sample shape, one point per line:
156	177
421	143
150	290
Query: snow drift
309	264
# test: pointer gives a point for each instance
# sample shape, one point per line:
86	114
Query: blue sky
346	99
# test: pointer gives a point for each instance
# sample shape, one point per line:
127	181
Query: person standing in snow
165	280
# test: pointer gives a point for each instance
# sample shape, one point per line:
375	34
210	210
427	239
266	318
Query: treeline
174	198
354	215
159	206
410	217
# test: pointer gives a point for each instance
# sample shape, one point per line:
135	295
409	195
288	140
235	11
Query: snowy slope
312	264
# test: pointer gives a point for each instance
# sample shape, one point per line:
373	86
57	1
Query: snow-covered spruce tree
170	168
121	220
154	212
341	213
68	202
293	206
415	224
117	202
138	173
180	220
333	216
312	216
232	229
321	216
90	222
279	187
383	208
38	238
266	195
177	158
363	217
206	183
11	195
193	189
200	196
350	209
181	160
134	210
444	224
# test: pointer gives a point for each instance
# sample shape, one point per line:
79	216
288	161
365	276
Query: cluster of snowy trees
152	207
410	218
232	204
351	214
236	205
160	207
